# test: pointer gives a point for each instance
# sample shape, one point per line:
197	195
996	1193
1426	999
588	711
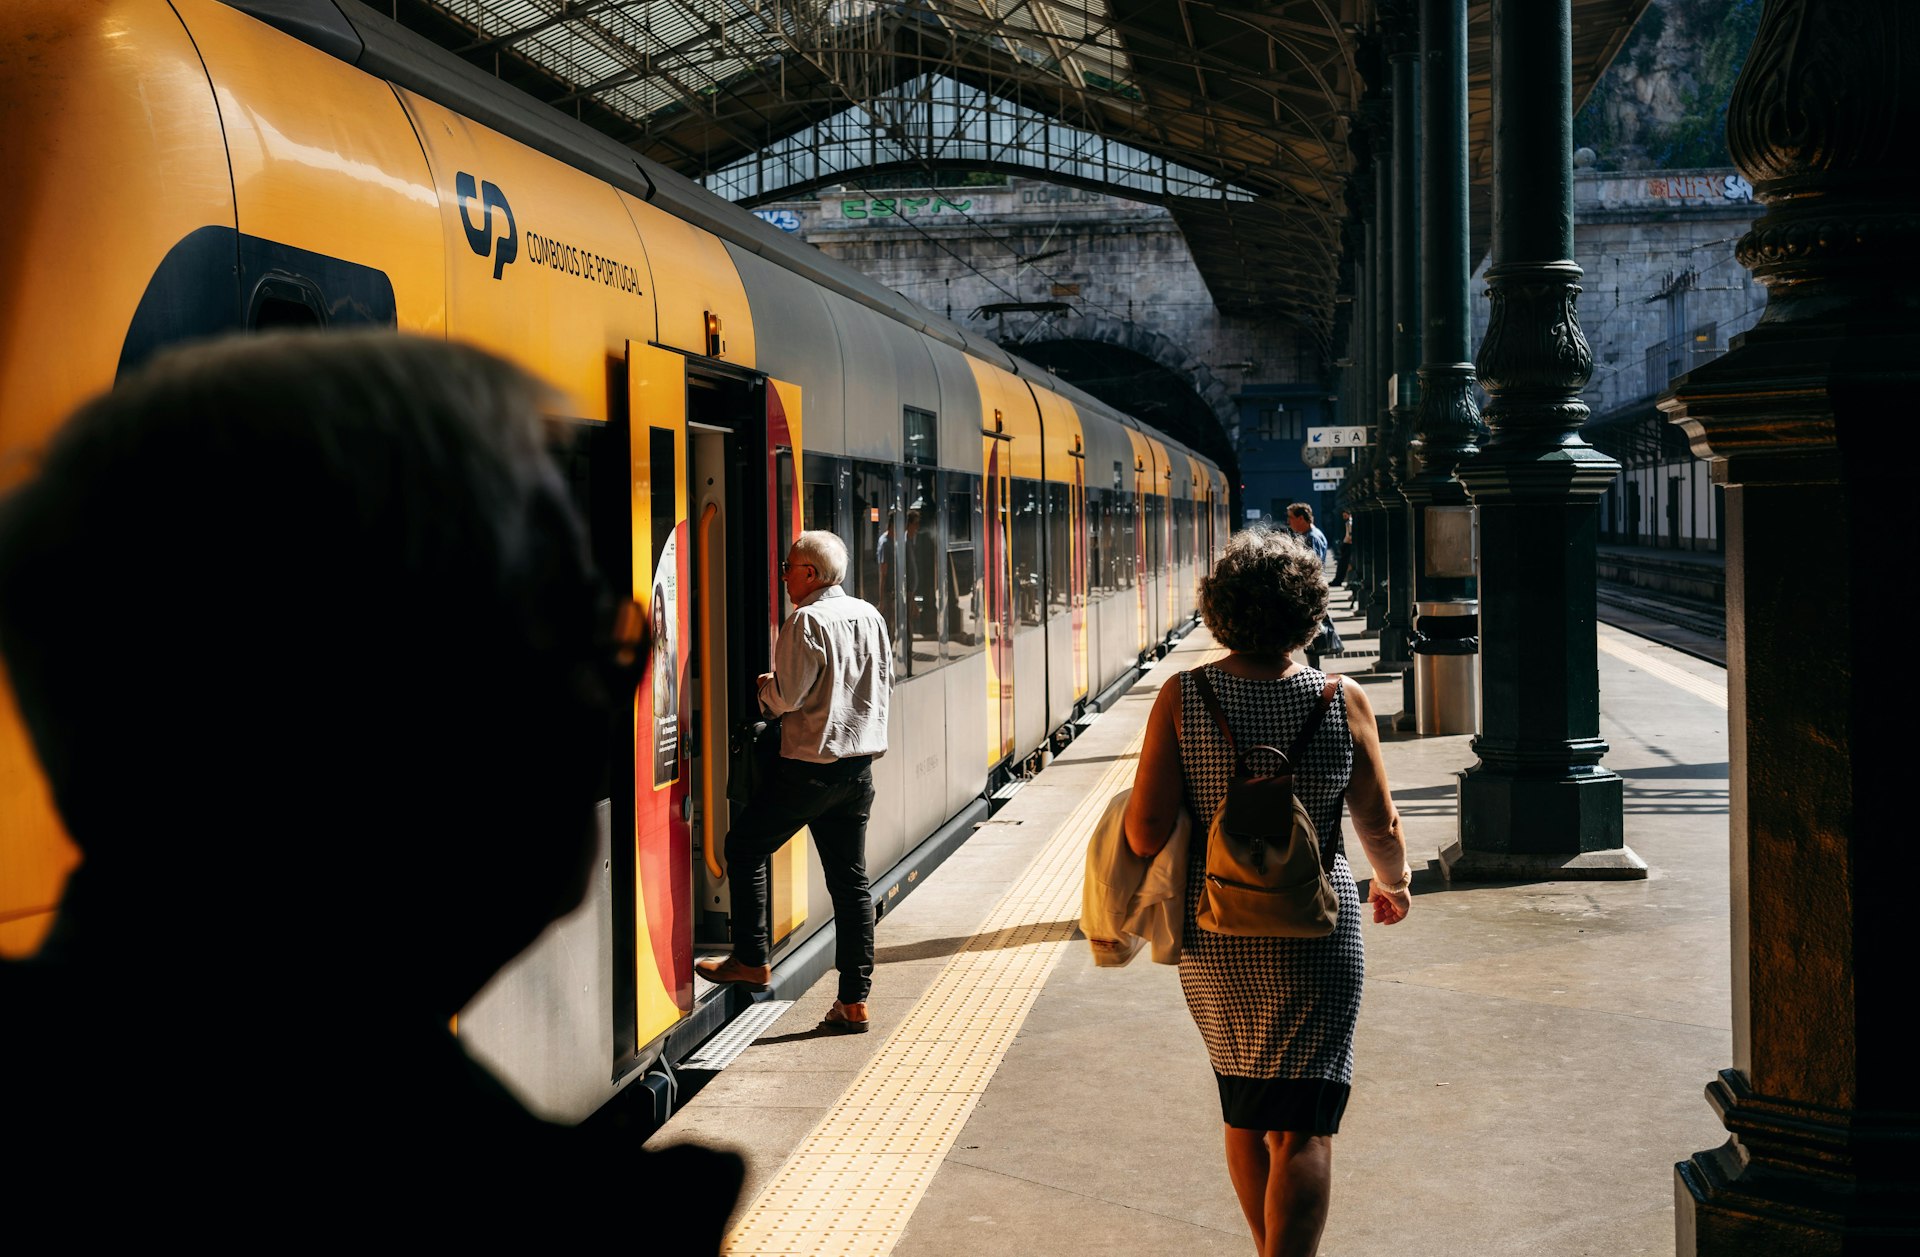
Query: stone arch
1156	347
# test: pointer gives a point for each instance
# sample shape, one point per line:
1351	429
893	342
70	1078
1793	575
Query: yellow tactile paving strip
852	1185
1699	687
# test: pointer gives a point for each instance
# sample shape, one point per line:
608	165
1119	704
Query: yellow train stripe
1700	687
852	1185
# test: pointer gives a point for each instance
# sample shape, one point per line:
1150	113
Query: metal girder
1257	98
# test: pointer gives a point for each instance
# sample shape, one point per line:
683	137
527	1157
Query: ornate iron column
1359	338
1381	490
1447	423
1824	1149
1358	500
1538	804
1404	325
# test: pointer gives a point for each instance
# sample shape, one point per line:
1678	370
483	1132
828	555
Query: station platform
1530	1058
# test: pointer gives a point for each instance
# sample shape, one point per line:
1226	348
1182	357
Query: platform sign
1329	475
1337	438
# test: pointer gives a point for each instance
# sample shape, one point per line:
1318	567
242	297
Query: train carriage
196	167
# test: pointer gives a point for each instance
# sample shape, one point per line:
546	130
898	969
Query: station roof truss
1237	116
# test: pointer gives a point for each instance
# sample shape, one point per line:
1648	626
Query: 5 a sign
1337	438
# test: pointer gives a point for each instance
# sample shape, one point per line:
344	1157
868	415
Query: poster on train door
666	664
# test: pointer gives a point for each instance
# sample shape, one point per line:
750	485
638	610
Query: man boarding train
832	673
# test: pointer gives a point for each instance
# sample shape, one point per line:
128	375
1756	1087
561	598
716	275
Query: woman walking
1277	1014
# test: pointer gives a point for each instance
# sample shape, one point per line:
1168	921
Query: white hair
826	552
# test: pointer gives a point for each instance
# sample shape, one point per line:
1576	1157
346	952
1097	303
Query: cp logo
480	237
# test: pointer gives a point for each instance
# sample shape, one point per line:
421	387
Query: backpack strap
1212	700
1313	722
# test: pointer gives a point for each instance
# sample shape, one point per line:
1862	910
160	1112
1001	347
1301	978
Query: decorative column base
1791	1180
1396	591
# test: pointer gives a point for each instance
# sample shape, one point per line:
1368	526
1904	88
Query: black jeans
833	800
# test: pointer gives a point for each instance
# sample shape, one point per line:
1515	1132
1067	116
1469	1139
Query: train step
736	1036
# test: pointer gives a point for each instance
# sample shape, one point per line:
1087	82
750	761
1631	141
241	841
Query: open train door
745	496
658	861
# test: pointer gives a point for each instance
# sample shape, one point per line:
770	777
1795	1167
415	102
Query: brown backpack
1265	878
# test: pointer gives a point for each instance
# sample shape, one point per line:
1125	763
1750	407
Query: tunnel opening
1137	385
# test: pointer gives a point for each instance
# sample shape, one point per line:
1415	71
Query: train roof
361	37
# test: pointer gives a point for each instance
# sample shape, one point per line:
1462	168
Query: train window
1096	543
660	460
783	511
1153	522
1059	516
1028	561
1126	553
922	444
876	545
820	495
920	567
1101	540
962	579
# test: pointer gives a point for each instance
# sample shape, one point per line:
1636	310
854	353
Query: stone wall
1657	249
1121	269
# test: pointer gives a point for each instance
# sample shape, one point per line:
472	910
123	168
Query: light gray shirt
832	677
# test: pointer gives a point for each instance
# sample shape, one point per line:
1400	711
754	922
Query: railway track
1694	628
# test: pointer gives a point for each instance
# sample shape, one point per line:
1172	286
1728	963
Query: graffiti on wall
901	206
1727	187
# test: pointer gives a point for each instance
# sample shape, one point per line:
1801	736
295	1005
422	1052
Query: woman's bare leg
1250	1167
1299	1189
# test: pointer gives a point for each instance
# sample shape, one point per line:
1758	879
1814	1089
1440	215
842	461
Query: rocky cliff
1663	102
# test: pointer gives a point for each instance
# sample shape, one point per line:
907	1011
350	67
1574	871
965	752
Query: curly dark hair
1266	595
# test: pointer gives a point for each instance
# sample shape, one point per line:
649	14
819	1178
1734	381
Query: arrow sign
1337	438
1329	475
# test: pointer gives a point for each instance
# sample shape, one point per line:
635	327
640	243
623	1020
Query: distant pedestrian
1277	1014
1345	560
831	682
1300	520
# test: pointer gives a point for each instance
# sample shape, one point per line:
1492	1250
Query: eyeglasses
788	567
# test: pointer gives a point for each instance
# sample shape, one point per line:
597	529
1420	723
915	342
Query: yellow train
187	168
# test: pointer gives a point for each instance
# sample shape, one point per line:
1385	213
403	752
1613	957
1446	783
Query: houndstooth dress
1277	1014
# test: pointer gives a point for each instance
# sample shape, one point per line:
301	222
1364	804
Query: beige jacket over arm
1127	901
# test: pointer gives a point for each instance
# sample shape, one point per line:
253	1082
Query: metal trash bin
1446	666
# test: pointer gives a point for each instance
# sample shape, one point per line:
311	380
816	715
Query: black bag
751	758
1327	641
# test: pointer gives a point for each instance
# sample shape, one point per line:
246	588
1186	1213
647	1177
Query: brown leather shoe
847	1018
753	977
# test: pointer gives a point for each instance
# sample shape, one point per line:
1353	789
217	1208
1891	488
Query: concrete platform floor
1530	1057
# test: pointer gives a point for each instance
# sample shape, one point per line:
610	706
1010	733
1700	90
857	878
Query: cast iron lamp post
1538	804
1447	422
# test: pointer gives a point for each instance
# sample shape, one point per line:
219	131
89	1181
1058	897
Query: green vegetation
1662	105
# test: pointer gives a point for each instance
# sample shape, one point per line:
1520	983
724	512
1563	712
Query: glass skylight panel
957	124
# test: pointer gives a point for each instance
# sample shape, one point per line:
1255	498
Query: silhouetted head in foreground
307	637
304	631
